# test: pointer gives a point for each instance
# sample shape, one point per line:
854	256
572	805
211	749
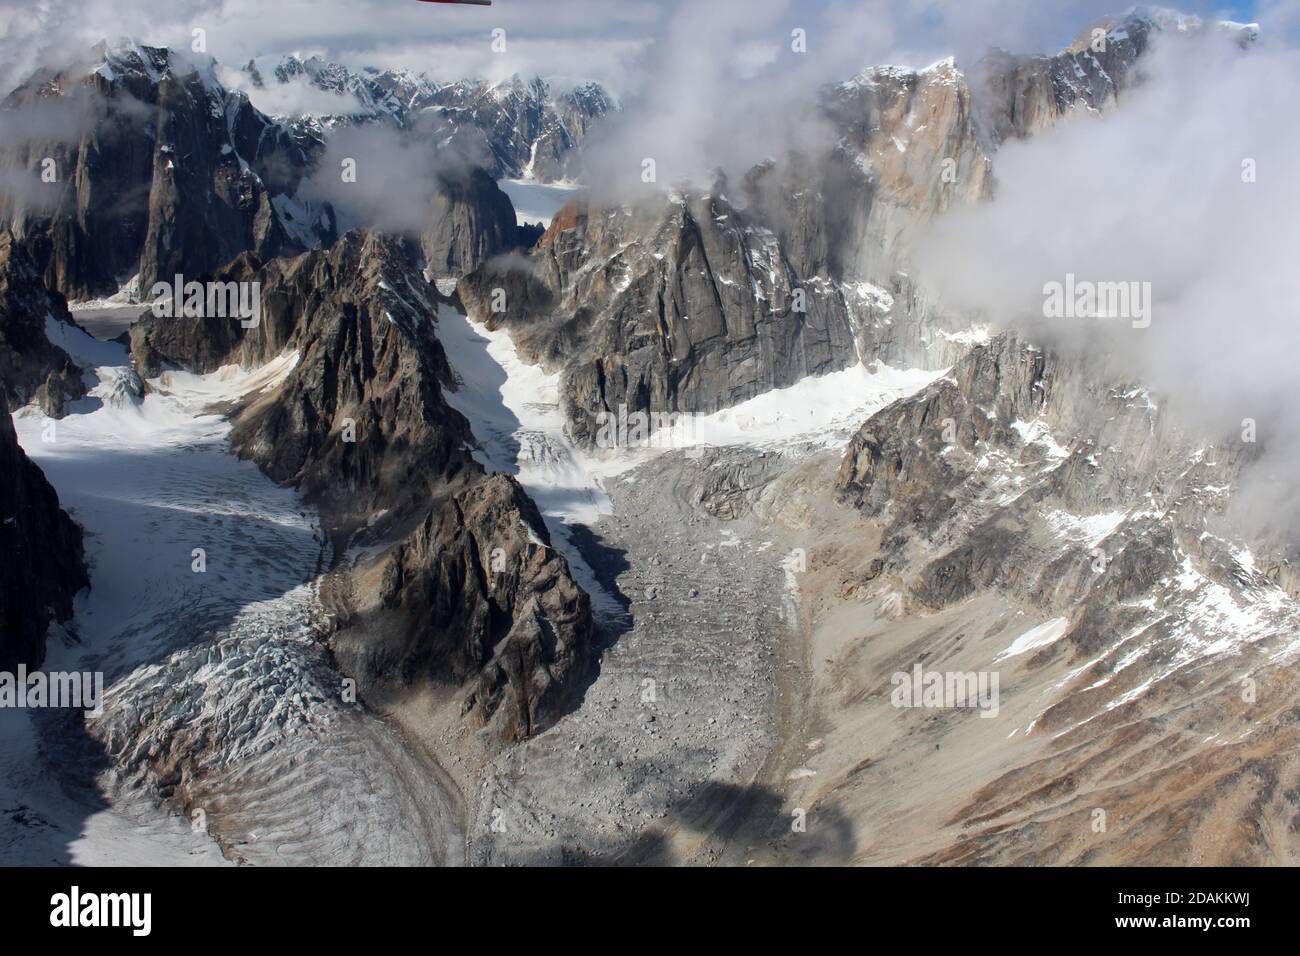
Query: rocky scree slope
1028	485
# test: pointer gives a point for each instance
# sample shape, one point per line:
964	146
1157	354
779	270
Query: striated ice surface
226	730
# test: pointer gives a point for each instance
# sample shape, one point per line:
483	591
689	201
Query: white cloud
297	97
392	177
1153	192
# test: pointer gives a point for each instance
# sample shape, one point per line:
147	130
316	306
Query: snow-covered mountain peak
1146	19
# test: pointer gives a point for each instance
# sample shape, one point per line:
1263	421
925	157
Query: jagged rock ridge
32	369
1033	485
42	564
527	128
165	172
472	591
685	303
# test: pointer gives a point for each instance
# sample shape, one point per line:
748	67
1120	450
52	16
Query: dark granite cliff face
669	306
159	170
32	369
1021	95
1017	96
358	422
42	565
694	301
470	220
479	588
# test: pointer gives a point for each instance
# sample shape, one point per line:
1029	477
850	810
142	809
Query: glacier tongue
221	699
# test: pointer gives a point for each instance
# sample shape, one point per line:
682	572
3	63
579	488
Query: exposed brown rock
485	598
362	319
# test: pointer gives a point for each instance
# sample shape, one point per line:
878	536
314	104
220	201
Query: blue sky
1241	10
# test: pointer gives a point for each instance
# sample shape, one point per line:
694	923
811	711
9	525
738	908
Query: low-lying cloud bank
296	97
381	177
1188	185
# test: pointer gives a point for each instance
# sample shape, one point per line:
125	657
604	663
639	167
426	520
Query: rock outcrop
156	170
693	303
358	422
1017	96
986	471
31	368
470	221
684	305
531	130
686	302
911	136
42	565
479	589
